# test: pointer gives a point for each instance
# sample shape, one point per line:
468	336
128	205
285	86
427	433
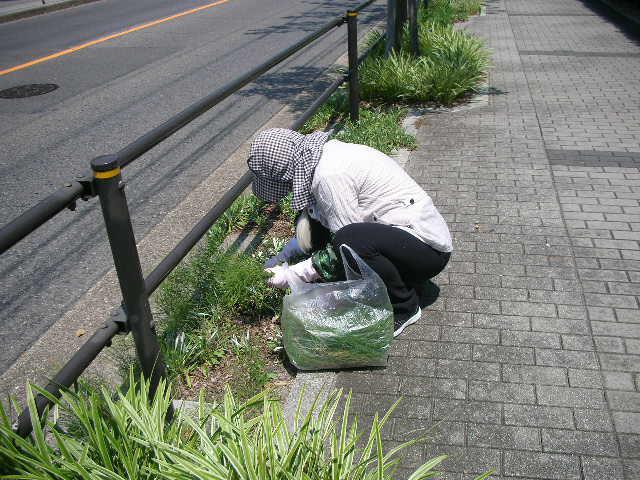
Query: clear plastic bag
339	324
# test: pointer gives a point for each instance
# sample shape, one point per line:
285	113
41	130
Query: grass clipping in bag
340	324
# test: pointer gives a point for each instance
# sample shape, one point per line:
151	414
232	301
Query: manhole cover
24	91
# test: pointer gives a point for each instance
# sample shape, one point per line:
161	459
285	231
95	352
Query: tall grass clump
451	63
127	436
449	11
209	304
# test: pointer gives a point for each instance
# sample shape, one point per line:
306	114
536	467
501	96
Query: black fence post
402	11
110	188
391	27
354	84
401	17
413	26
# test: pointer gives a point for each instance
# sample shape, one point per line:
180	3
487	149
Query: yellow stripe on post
352	14
107	174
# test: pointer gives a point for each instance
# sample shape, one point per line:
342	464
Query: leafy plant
379	128
451	63
115	438
127	436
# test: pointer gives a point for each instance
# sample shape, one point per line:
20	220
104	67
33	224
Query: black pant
400	259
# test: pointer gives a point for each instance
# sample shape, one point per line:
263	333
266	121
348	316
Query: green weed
332	110
379	128
449	11
207	301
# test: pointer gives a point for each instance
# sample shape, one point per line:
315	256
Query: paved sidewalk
529	361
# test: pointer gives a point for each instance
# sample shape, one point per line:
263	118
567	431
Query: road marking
109	37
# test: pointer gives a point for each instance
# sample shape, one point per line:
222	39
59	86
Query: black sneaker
400	322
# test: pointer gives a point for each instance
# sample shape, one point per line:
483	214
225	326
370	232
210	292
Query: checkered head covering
283	160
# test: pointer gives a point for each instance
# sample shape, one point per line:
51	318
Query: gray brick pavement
529	362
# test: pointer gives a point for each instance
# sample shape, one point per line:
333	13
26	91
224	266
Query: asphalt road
111	93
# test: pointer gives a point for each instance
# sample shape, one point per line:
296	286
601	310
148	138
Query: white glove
303	270
279	277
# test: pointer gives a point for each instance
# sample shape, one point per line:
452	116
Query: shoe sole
410	321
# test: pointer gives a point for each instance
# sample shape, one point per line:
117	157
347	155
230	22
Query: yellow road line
109	37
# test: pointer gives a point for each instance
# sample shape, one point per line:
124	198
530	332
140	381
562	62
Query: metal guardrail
106	182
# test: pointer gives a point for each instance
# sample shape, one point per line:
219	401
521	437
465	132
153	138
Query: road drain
24	91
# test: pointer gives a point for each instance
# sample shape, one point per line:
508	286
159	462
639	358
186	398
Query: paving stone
532	283
449	433
494	293
570	397
531	339
626	401
616	329
453	319
409	406
526	308
559	325
571	441
504	437
619	363
618	381
415	365
469	370
467	411
507	322
632	345
577	342
572	311
456	351
620	301
585	378
503	354
609	344
605	314
370	383
538	416
629	445
627	422
593	420
474	279
630	316
566	358
433	387
541	465
534	374
501	392
599	468
466	459
471	335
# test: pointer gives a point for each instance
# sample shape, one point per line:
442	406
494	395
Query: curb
33	11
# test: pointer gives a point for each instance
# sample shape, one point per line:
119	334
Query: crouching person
354	195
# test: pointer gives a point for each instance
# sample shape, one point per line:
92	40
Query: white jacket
355	183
